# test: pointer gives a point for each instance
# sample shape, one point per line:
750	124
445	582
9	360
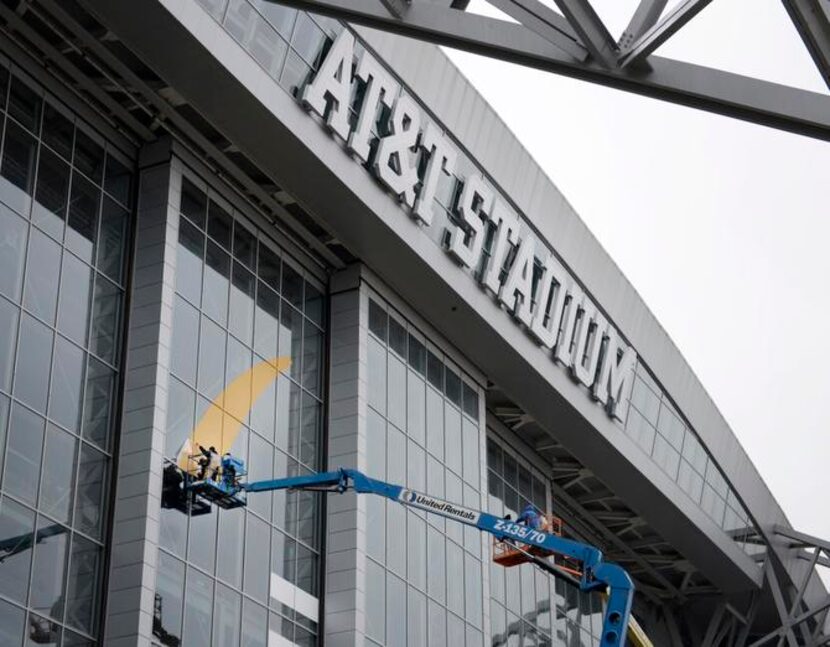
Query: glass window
34	354
292	285
416	619
312	357
211	358
436	564
67	384
90	506
435	423
417	355
712	504
640	430
83	218
671	426
452	386
306	569
694	453
243	285
118	181
216	283
229	568
376	520
291	339
13	234
314	304
396	611
376	370
71	639
25	105
397	337
268	267
106	320
377	320
396	392
310	431
18	165
437	629
470	400
435	371
416	551
16	523
455	578
169	598
83	589
254	625
181	402
11	624
257	548
99	400
8	323
73	306
375	601
416	407
197	609
194	202
666	456
226	617
89	156
202	535
52	193
452	438
220	224
185	345
690	481
266	321
58	131
112	240
244	246
58	486
49	570
646	400
40	293
471	452
189	260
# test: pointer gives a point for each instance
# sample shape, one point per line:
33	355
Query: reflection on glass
18	165
112	239
184	349
49	571
23	454
34	354
89	156
17	524
58	131
226	617
58	485
243	284
83	217
257	548
52	193
67	384
73	306
8	324
13	234
167	619
98	403
181	402
197	609
216	282
189	255
118	180
106	320
11	624
40	292
90	506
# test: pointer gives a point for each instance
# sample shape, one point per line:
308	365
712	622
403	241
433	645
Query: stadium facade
192	188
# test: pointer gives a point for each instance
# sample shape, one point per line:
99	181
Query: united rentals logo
418	500
409	159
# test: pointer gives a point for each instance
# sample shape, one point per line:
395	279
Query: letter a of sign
328	94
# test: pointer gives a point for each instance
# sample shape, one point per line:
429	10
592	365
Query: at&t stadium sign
518	269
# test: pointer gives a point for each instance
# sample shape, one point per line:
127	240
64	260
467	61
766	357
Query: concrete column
346	514
132	576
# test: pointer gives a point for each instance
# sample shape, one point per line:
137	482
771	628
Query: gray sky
722	226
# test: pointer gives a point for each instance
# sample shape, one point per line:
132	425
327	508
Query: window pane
226	617
397	337
416	551
216	282
244	247
211	358
67	384
471	452
241	323
452	429
455	578
40	293
219	225
375	601
254	625
395	611
452	386
314	304
257	548
378	320
17	524
89	156
396	391
197	609
11	624
185	344
25	105
189	260
58	131
71	639
58	486
202	535
83	218
118	181
112	239
169	597
49	571
8	324
266	321
52	193
269	267
312	357
376	370
90	507
416	407
291	338
306	570
13	234
292	285
34	354
18	165
437	630
23	454
194	202
229	568
98	403
73	306
106	320
666	456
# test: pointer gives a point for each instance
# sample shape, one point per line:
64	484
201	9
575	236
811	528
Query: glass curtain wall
528	606
240	301
65	205
423	574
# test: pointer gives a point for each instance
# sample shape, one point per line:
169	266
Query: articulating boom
596	575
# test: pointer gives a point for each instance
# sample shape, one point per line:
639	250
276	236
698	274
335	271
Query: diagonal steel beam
733	95
661	32
802	538
591	30
545	22
812	20
645	17
397	8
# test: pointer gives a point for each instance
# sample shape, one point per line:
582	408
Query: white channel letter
517	292
592	327
442	156
507	234
475	203
381	88
549	303
573	305
395	148
617	369
329	93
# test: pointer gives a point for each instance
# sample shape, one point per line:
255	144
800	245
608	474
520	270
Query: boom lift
228	491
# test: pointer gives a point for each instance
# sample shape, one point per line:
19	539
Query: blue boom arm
597	575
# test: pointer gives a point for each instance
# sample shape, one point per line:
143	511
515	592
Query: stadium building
315	245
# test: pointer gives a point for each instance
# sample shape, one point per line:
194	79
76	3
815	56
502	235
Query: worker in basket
531	518
208	461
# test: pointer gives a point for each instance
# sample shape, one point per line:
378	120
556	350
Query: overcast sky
722	226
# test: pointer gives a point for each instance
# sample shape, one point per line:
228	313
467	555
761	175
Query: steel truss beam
761	102
812	20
